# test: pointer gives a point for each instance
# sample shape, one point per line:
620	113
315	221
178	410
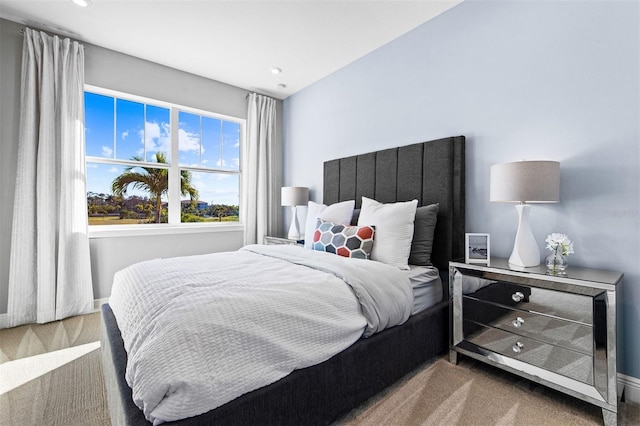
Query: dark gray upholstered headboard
431	172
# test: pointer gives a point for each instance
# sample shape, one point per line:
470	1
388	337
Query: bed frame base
315	395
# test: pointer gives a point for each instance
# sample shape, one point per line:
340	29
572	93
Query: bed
430	172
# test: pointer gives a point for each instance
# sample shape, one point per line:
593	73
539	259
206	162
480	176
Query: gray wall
116	71
522	80
10	64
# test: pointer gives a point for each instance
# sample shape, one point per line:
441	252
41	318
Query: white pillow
394	230
337	213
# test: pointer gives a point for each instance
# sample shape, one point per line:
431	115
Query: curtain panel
50	270
259	188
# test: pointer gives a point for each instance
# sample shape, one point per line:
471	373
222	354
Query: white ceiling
235	42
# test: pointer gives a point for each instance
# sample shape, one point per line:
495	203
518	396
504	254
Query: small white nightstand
557	331
271	240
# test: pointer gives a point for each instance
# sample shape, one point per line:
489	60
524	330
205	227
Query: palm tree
155	181
220	210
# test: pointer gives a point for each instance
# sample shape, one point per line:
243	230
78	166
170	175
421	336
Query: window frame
174	225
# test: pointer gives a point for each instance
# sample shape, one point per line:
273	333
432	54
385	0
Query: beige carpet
35	339
472	393
70	395
64	386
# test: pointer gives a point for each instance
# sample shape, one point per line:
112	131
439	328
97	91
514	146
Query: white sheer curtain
258	190
50	271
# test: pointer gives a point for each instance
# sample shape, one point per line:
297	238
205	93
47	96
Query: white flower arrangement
559	243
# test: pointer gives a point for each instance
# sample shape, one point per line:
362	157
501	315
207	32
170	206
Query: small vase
556	264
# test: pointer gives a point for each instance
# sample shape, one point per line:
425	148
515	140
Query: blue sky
203	142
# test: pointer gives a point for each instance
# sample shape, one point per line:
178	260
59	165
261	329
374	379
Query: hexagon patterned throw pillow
343	240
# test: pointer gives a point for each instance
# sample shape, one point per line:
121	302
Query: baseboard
97	303
631	386
4	321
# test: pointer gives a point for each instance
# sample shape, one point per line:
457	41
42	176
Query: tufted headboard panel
431	172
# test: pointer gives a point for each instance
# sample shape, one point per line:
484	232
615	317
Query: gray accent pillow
356	215
424	227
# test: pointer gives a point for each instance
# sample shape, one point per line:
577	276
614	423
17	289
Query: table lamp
525	182
294	196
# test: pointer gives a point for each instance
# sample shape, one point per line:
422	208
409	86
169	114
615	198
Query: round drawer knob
517	323
517	348
517	296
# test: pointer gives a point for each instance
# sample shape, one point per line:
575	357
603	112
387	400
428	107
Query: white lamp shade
294	196
525	182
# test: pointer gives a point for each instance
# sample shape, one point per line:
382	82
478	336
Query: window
151	162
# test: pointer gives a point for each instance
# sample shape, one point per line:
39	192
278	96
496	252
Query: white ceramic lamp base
294	230
525	249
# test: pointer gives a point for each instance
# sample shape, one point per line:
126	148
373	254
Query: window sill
111	231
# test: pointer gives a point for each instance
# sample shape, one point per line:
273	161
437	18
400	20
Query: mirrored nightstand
272	240
557	331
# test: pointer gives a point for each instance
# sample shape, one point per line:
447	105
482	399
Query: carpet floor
472	393
63	385
71	395
35	339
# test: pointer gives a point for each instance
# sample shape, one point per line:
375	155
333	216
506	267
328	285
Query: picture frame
477	248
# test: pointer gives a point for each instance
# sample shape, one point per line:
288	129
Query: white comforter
202	330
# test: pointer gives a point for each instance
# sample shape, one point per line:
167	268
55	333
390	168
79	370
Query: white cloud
152	130
234	164
155	137
114	170
107	152
125	134
188	141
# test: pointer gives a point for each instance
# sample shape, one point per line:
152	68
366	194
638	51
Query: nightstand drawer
568	334
563	305
559	360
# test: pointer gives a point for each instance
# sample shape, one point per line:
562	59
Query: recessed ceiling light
276	70
82	3
282	86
